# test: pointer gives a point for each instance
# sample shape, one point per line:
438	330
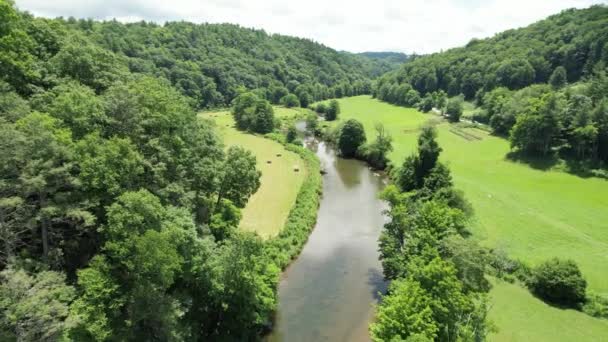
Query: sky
410	26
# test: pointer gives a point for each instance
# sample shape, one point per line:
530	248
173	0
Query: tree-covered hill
207	62
574	39
544	86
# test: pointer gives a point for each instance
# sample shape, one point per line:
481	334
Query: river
328	293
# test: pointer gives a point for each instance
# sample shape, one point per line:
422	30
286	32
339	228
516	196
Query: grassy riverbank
268	209
533	214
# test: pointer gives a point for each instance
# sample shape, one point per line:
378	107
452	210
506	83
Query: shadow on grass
539	163
579	168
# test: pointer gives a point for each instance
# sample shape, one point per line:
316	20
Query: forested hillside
206	62
544	86
119	206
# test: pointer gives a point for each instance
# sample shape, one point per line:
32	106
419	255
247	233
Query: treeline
119	207
438	286
208	63
543	86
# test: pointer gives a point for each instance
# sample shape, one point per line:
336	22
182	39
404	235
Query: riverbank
267	211
329	291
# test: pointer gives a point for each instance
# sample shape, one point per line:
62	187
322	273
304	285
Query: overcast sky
420	26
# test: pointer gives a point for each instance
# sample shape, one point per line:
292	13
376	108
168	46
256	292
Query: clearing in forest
269	207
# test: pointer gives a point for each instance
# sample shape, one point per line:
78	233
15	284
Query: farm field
268	208
532	214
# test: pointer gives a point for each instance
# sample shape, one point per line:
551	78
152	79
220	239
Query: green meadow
268	208
532	214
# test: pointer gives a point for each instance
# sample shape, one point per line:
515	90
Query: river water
328	293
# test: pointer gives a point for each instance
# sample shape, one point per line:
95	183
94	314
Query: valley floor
532	214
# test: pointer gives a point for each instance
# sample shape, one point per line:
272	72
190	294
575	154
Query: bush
596	306
290	100
559	282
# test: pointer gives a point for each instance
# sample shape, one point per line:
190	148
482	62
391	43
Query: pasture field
268	208
532	214
521	317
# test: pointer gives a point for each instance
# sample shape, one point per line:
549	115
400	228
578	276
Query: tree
244	109
292	134
305	99
427	103
415	168
264	118
376	152
454	109
321	108
245	291
253	114
600	121
333	110
534	132
78	107
352	136
290	100
559	281
34	307
312	123
404	313
47	178
558	78
240	179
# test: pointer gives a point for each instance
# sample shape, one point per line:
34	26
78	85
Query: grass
533	214
521	317
269	207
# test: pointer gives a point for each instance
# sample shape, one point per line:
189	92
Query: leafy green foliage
558	78
332	111
438	276
559	281
240	179
454	109
33	307
404	313
253	114
290	101
351	138
376	153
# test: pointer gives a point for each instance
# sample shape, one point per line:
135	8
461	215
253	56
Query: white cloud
420	26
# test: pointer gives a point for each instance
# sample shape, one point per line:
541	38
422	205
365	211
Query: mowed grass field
534	215
269	207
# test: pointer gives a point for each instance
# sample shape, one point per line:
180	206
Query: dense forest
544	86
208	63
119	207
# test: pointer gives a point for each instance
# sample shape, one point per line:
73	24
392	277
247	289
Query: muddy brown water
329	291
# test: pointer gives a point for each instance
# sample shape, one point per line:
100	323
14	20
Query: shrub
596	306
559	282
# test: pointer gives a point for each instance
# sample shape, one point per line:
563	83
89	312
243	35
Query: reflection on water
328	293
